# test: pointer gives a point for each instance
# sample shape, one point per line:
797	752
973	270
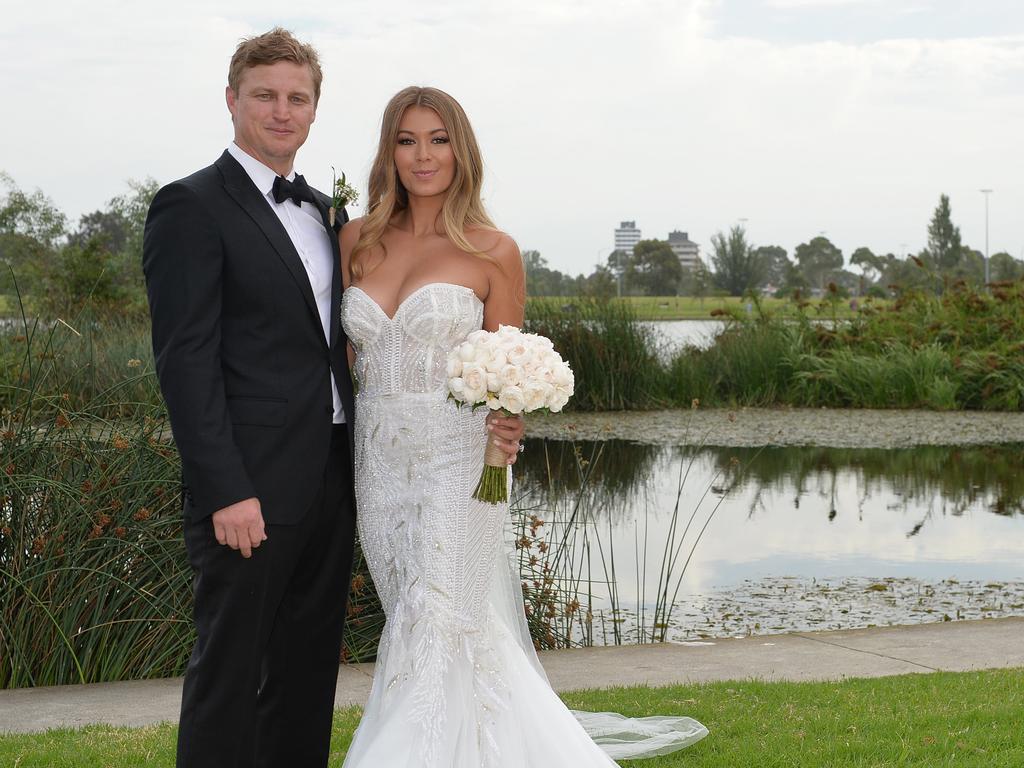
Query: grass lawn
934	720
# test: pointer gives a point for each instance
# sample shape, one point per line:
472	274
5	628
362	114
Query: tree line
817	266
62	266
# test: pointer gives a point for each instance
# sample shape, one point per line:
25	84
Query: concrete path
953	646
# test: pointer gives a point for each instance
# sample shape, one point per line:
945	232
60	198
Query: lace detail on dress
429	545
457	682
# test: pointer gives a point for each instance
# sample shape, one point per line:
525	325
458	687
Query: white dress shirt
306	230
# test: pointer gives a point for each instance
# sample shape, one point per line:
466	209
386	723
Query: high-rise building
626	236
687	251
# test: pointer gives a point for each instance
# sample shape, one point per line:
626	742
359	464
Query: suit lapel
240	187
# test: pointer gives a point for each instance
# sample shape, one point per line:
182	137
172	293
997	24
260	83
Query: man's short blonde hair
276	45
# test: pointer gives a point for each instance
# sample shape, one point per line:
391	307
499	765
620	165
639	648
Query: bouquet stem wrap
493	485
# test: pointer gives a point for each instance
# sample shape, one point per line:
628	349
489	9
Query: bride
457	682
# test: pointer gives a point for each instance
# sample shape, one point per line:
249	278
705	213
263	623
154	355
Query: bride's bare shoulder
497	244
349	235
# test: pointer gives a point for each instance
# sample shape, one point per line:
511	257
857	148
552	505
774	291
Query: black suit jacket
240	350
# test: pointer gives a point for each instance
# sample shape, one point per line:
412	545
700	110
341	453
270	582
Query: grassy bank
942	719
961	350
706	308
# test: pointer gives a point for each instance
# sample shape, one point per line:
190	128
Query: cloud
822	3
588	114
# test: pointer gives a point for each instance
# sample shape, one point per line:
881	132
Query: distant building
687	251
626	236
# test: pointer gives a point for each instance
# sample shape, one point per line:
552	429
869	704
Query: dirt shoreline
753	427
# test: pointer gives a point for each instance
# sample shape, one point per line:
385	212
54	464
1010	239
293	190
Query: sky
790	117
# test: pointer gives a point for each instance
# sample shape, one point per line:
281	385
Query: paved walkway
954	646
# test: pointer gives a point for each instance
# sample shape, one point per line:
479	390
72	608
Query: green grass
935	720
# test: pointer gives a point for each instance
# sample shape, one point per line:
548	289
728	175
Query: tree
695	281
970	267
944	238
871	265
774	263
544	281
657	269
31	229
620	265
910	273
33	216
81	275
737	269
819	261
1003	267
601	283
107	225
793	282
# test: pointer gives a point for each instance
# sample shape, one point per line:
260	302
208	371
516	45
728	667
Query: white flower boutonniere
342	193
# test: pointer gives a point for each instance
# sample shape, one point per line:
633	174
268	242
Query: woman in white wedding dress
457	682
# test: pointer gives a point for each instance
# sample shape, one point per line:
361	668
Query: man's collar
262	176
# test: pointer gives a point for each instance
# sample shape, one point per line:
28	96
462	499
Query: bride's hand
506	432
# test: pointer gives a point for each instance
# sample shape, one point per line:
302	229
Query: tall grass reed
94	580
574	497
963	349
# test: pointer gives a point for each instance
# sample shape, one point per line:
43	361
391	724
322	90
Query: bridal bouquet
510	371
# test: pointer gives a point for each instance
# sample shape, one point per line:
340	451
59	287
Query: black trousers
259	689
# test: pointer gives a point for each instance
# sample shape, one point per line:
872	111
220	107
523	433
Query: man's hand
506	432
240	526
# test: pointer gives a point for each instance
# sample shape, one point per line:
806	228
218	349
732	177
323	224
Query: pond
693	333
687	543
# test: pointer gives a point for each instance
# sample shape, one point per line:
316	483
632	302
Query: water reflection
651	532
950	480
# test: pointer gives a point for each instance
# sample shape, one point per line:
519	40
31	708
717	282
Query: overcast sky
848	117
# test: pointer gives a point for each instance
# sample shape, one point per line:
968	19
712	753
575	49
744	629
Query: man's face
272	112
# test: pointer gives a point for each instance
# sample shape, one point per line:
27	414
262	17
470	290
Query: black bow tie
297	190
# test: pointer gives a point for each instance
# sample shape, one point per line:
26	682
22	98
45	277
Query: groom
243	276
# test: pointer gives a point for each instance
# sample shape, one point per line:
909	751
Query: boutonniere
342	193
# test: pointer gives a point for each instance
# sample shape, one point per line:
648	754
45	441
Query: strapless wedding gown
457	682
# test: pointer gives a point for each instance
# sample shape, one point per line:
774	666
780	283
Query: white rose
518	353
564	377
551	359
496	361
482	355
478	337
466	351
454	366
474	379
545	374
493	382
536	395
492	402
510	375
558	402
511	399
457	386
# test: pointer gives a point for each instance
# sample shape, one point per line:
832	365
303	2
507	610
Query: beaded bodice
408	352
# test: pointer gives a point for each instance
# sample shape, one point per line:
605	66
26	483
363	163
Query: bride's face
423	155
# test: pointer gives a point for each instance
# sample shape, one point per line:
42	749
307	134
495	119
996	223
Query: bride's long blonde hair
462	208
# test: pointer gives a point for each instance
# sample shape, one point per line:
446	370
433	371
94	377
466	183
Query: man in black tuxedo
243	275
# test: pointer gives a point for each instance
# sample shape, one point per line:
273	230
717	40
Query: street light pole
986	193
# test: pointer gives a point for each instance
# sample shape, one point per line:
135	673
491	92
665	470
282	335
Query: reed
94	579
617	361
961	350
